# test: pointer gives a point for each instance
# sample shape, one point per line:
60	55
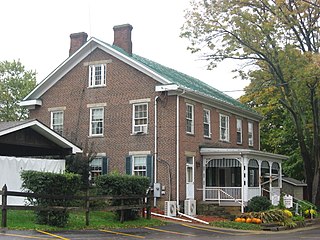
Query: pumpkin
237	219
243	220
249	220
258	221
254	220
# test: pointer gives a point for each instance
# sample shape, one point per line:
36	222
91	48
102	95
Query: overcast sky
38	33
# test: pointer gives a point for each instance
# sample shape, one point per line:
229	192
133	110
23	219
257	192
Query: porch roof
238	152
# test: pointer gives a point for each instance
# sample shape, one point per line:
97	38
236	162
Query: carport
30	145
33	138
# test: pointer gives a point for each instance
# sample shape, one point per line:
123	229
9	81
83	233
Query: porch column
260	177
204	165
280	175
270	180
244	185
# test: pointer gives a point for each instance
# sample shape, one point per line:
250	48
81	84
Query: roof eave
241	152
45	131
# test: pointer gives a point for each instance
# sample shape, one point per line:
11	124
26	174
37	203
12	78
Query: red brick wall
123	84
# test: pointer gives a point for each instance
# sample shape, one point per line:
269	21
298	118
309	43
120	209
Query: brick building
140	117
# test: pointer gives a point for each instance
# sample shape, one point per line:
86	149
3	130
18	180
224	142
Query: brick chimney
76	41
122	37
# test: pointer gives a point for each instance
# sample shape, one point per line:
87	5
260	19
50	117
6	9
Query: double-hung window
97	75
239	131
190	119
206	123
250	134
139	165
224	128
98	166
57	121
96	121
140	118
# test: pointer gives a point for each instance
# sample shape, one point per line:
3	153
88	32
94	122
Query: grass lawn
23	220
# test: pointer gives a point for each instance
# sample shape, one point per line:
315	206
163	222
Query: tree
15	84
276	37
276	128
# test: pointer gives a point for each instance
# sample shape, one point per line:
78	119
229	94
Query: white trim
142	100
207	123
136	153
96	105
35	102
90	127
241	152
100	62
190	119
57	109
241	130
250	143
226	127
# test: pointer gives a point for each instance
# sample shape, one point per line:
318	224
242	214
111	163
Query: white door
190	178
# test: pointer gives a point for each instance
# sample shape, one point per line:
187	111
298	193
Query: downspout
155	143
177	149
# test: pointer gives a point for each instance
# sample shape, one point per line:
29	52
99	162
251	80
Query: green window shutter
105	162
150	169
129	165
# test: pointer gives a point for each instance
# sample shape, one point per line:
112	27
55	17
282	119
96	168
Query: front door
190	178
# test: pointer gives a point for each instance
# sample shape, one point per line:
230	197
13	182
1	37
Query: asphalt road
170	231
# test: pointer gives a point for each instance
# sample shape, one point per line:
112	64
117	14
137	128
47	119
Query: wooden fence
144	203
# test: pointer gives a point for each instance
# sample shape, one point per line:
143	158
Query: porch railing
223	194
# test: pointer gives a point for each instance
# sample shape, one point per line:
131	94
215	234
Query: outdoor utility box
156	190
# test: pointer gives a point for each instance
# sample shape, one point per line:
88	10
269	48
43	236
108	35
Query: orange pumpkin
243	220
249	220
254	220
237	219
258	221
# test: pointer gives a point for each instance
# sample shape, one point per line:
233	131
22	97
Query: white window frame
139	171
206	122
93	77
224	128
57	127
190	118
239	130
138	128
250	134
92	122
96	166
190	166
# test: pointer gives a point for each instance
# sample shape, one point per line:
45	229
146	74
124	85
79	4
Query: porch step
213	209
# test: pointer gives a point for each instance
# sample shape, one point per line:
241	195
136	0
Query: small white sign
288	201
275	200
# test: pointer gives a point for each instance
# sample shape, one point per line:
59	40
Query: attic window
97	75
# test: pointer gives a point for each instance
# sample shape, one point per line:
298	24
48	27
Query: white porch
234	176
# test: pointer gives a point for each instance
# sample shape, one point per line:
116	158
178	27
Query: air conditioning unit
140	129
190	207
170	208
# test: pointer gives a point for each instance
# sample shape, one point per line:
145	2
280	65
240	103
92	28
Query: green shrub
115	184
51	184
258	203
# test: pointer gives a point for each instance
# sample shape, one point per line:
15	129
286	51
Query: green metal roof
186	81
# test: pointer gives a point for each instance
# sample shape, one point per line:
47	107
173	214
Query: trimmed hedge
52	184
115	184
258	203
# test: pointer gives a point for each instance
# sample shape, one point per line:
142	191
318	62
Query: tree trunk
316	145
306	155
